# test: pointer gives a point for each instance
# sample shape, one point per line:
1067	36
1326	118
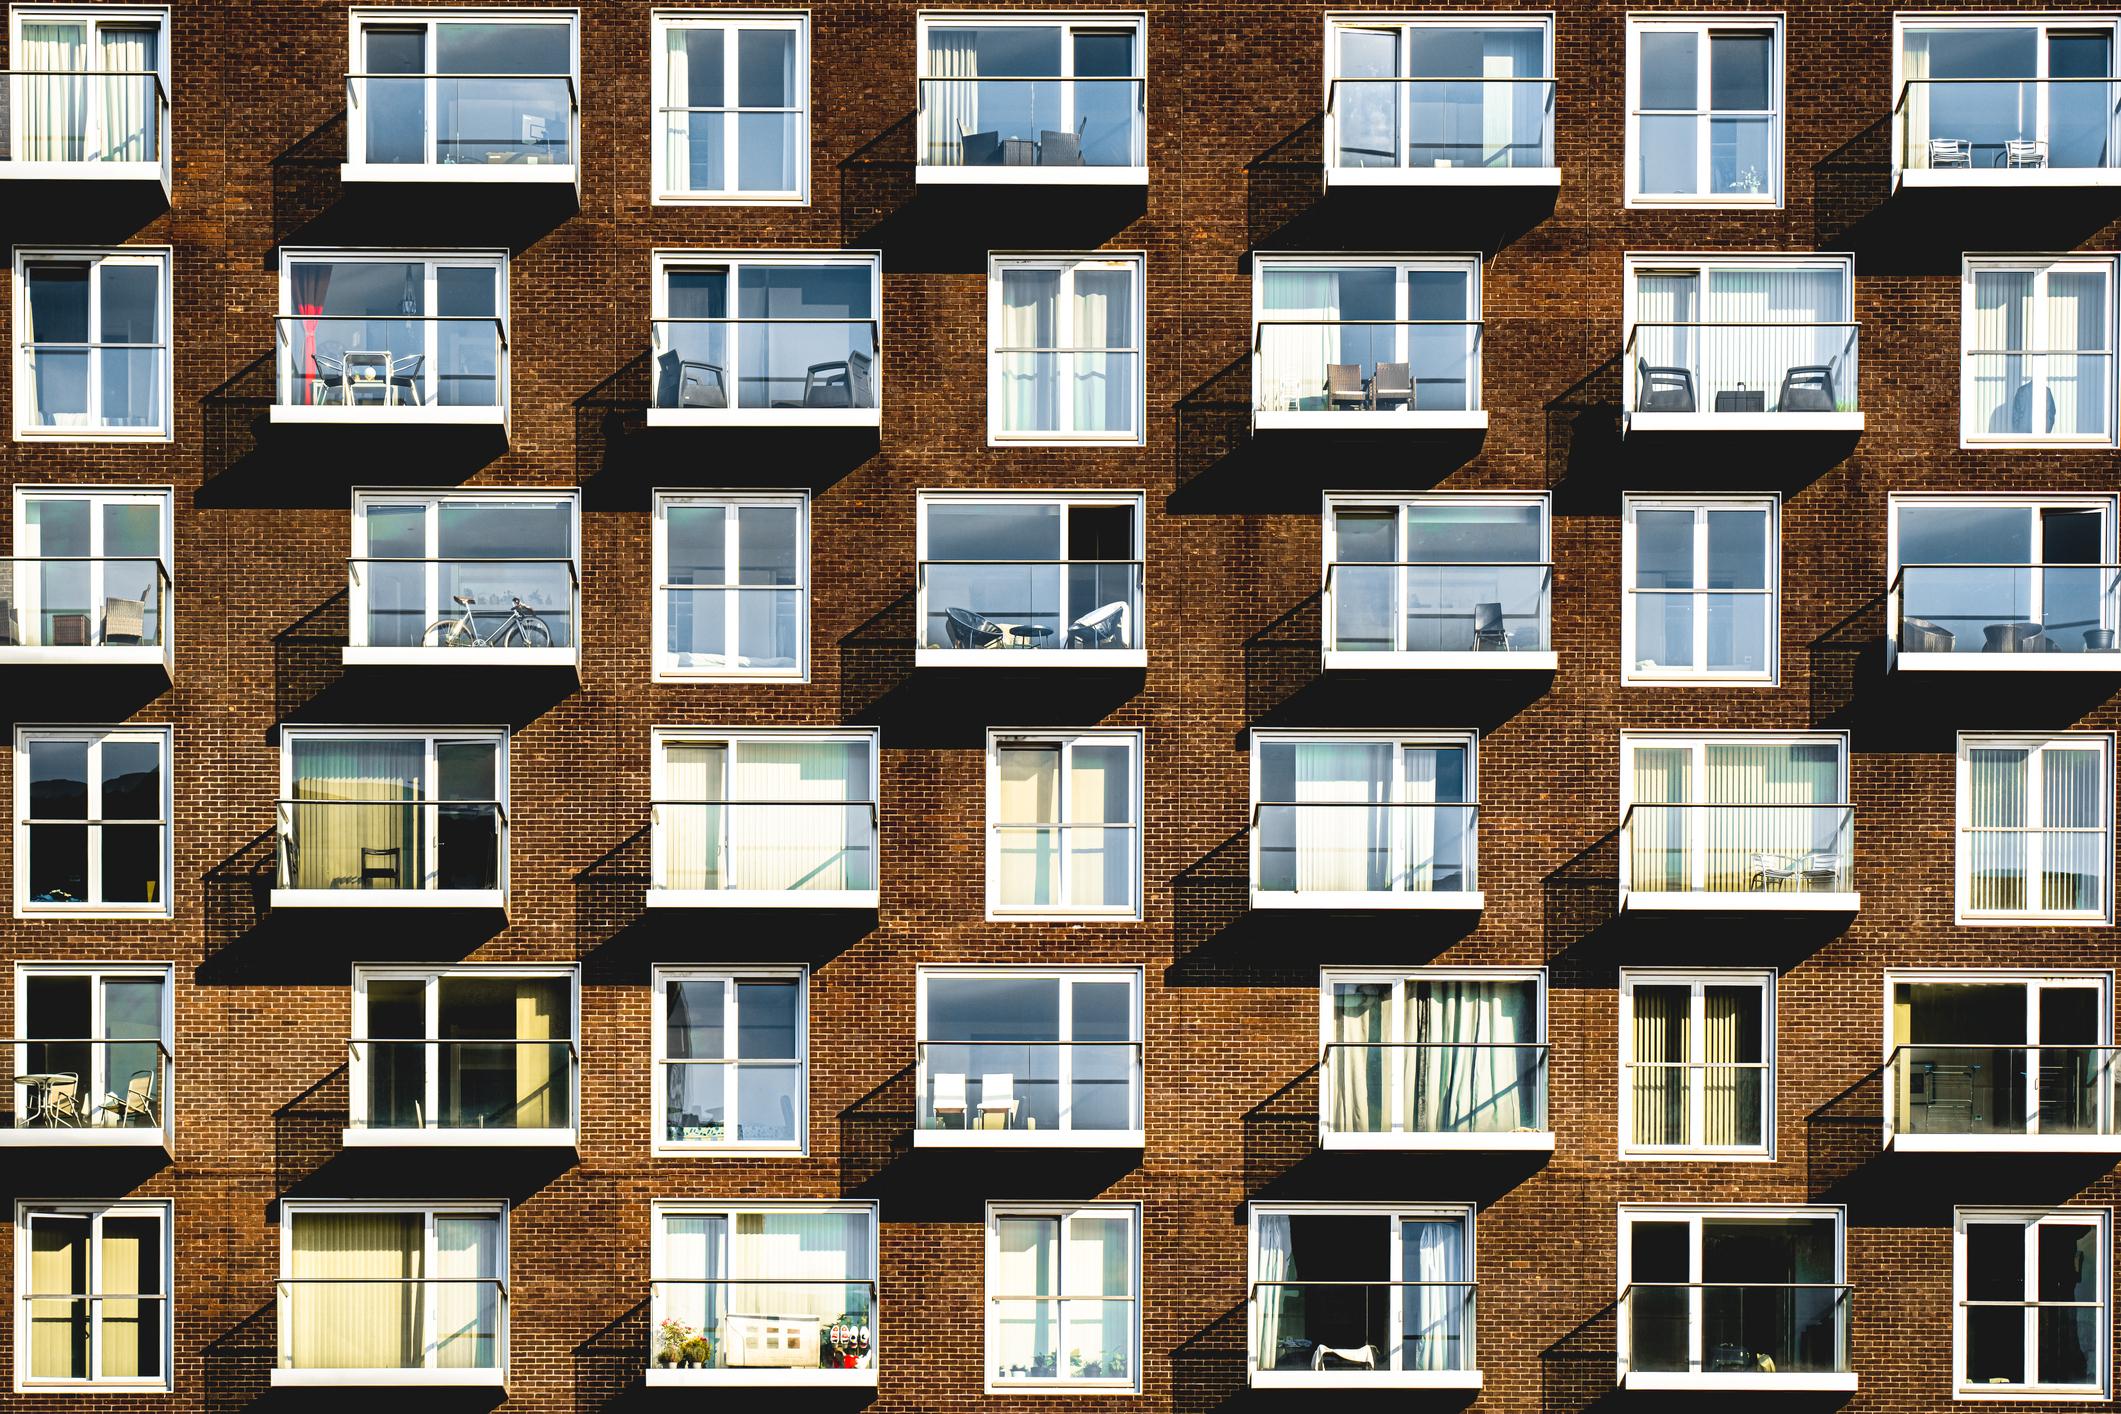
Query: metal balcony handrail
1062	825
1132	1045
94	1296
2036	353
926	79
660	801
1050	1297
1632	1286
1907	84
573	1052
499	808
1259	805
1333	84
160	1048
85	820
573	572
1104	350
500	325
499	1284
573	94
1636	326
1035	564
1259	326
33	345
869	1282
161	92
1542	1046
1381	1281
1699	1065
1627	813
2001	1046
156	560
1327	583
871	320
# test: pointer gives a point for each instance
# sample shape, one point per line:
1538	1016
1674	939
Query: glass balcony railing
1031	1087
463	120
487	1084
791	366
764	846
2001	608
407	846
78	601
467	602
2008	124
94	385
1354	1329
2006	1091
1033	122
768	1100
391	361
441	1325
2065	394
1434	1087
1478	124
1749	1328
89	1087
1435	607
1382	848
1082	606
83	117
1727	367
739	1324
1768	848
1406	366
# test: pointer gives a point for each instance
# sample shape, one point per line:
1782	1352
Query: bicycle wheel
445	633
530	631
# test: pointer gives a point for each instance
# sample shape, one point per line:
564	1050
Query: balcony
440	1331
77	609
780	372
1033	132
1716	1337
419	370
1441	615
1029	1095
1441	132
487	128
501	612
1030	614
2004	1099
2023	133
2006	618
763	1331
1786	376
763	854
485	1093
1360	854
109	126
1462	1095
1355	1335
1771	857
1367	375
73	1092
390	853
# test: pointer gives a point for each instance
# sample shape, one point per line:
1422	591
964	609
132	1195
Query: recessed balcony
1089	130
1052	613
1718	1337
1465	1096
1484	616
79	126
501	1092
1988	618
1029	1094
464	612
74	1092
1366	375
1468	132
1366	854
787	853
479	129
1728	376
351	842
392	370
85	610
1769	857
759	372
2003	133
2013	1099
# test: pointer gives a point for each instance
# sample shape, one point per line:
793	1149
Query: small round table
40	1086
1030	635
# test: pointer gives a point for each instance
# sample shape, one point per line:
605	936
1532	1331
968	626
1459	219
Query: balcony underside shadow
79	692
444	1173
78	1172
950	229
1647	938
320	946
39	212
954	1185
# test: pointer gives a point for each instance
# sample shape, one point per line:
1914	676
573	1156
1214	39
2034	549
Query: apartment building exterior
914	708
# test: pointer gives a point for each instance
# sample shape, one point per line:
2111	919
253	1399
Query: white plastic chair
997	1100
950	1096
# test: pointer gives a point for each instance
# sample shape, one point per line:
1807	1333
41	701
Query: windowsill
1027	1139
91	910
1645	679
371	415
66	1387
999	176
761	898
717	198
1031	1386
1529	1141
490	657
666	673
766	417
91	434
2045	1394
1701	1154
459	1139
1366	1379
85	1137
121	655
763	1376
1907	662
1666	201
2023	178
703	1149
129	173
1367	900
1731	1383
1650	422
1513	660
1119	440
1322	421
2032	920
1708	901
1443	176
398	1379
541	174
2098	442
495	900
2004	1143
1030	657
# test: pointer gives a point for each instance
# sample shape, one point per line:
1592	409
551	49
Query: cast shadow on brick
1899	713
308	1130
67	212
249	944
236	1365
1842	661
83	692
75	1173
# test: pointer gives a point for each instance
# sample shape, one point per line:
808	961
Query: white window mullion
732	38
2029	1235
1697	1339
1704	121
95	323
1395	1294
94	1313
1064	1060
1699	594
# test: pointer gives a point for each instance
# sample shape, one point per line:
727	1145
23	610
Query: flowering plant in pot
699	1353
671	1338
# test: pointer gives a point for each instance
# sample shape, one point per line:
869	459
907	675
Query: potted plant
698	1352
671	1339
1042	1365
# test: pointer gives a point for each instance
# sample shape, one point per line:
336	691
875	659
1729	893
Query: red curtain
310	283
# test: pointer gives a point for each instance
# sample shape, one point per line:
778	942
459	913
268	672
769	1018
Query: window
1062	1308
764	819
1046	100
1732	1297
1702	575
488	95
393	817
2002	581
2030	1290
92	343
2037	334
1444	1057
1006	572
398	1293
763	1293
2002	99
2034	828
89	580
1347	1295
1063	821
731	1054
1714	338
1734	821
1064	347
393	337
88	85
91	1054
464	570
766	339
731	598
472	1055
92	1296
1346	337
1346	821
1026	1057
1705	99
732	106
2000	1061
1464	98
92	821
1697	1064
1438	575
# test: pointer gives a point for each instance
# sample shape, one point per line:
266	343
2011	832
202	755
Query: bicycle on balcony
519	628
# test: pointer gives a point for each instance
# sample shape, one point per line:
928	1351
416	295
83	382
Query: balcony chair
1390	384
327	385
1488	632
1104	627
1057	149
137	1103
1809	387
2019	152
1802	872
1363	1355
1922	636
125	620
979	149
950	1098
689	383
1663	389
1344	387
61	1108
405	385
10	625
379	862
1951	152
2012	638
970	630
997	1100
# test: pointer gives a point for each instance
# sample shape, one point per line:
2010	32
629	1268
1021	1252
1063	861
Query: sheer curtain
695	1254
1099	1262
1915	67
346	1322
1341	848
1657	838
1758	358
952	108
128	107
677	127
53	112
1104	382
1030	309
1273	1262
1421	828
467	1313
810	1257
1433	1334
823	846
1293	357
1357	1074
1473	1067
1028	794
1025	1251
340	846
692	834
1767	774
1100	790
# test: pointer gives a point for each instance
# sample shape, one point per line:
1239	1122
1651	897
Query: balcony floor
1645	423
1904	662
1690	1383
998	1139
2021	178
1031	658
1705	901
86	1137
392	1379
537	174
998	176
1513	661
2004	1143
1318	421
458	1139
791	419
1443	177
494	899
762	1377
1532	1141
742	898
1366	901
1354	1381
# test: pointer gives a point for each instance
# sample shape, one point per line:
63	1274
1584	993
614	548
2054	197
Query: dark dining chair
1663	389
1807	388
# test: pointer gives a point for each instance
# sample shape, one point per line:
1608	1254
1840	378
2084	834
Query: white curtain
1029	794
130	126
1667	301
1361	1013
1030	310
952	108
1026	1249
1293	357
692	834
1433	1317
1423	829
1273	1263
1999	374
2076	319
677	127
1100	791
810	1258
1473	1069
365	1316
1340	847
1778	775
467	1312
1914	67
53	113
1104	382
695	1255
1758	359
1099	1261
825	846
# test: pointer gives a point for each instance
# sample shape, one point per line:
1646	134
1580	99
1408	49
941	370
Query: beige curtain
341	846
53	112
1663	1025
1029	794
131	1331
825	846
58	1264
1357	1075
371	1324
1099	1262
692	834
467	1313
1780	774
541	1071
1729	1109
1341	847
1657	838
1903	1036
811	1258
1915	65
1100	791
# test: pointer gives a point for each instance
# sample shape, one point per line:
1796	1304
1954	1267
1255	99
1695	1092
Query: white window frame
1697	980
1702	676
163	499
2033	503
729	22
732	1066
95	736
666	667
2036	743
496	1209
1402	23
1067	21
1064	1214
358	168
97	1084
2041	266
95	17
2042	22
2033	1219
1067	739
26	1211
1705	25
161	258
1068	344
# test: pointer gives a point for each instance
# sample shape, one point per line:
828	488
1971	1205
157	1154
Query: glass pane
1671	69
765	68
693	1020
1739	72
1664	549
502	48
766	544
696	66
767	1020
1737	549
1738	632
396	109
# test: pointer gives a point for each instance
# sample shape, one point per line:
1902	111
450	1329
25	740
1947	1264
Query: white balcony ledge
1027	1139
2004	1143
1528	1141
111	173
1906	662
1366	900
369	415
366	1138
1549	177
762	1377
119	655
494	900
1994	178
1356	1380
85	1137
1317	420
1031	176
1514	661
392	1379
792	418
509	174
1030	658
1734	901
459	657
1646	423
1750	1381
763	898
